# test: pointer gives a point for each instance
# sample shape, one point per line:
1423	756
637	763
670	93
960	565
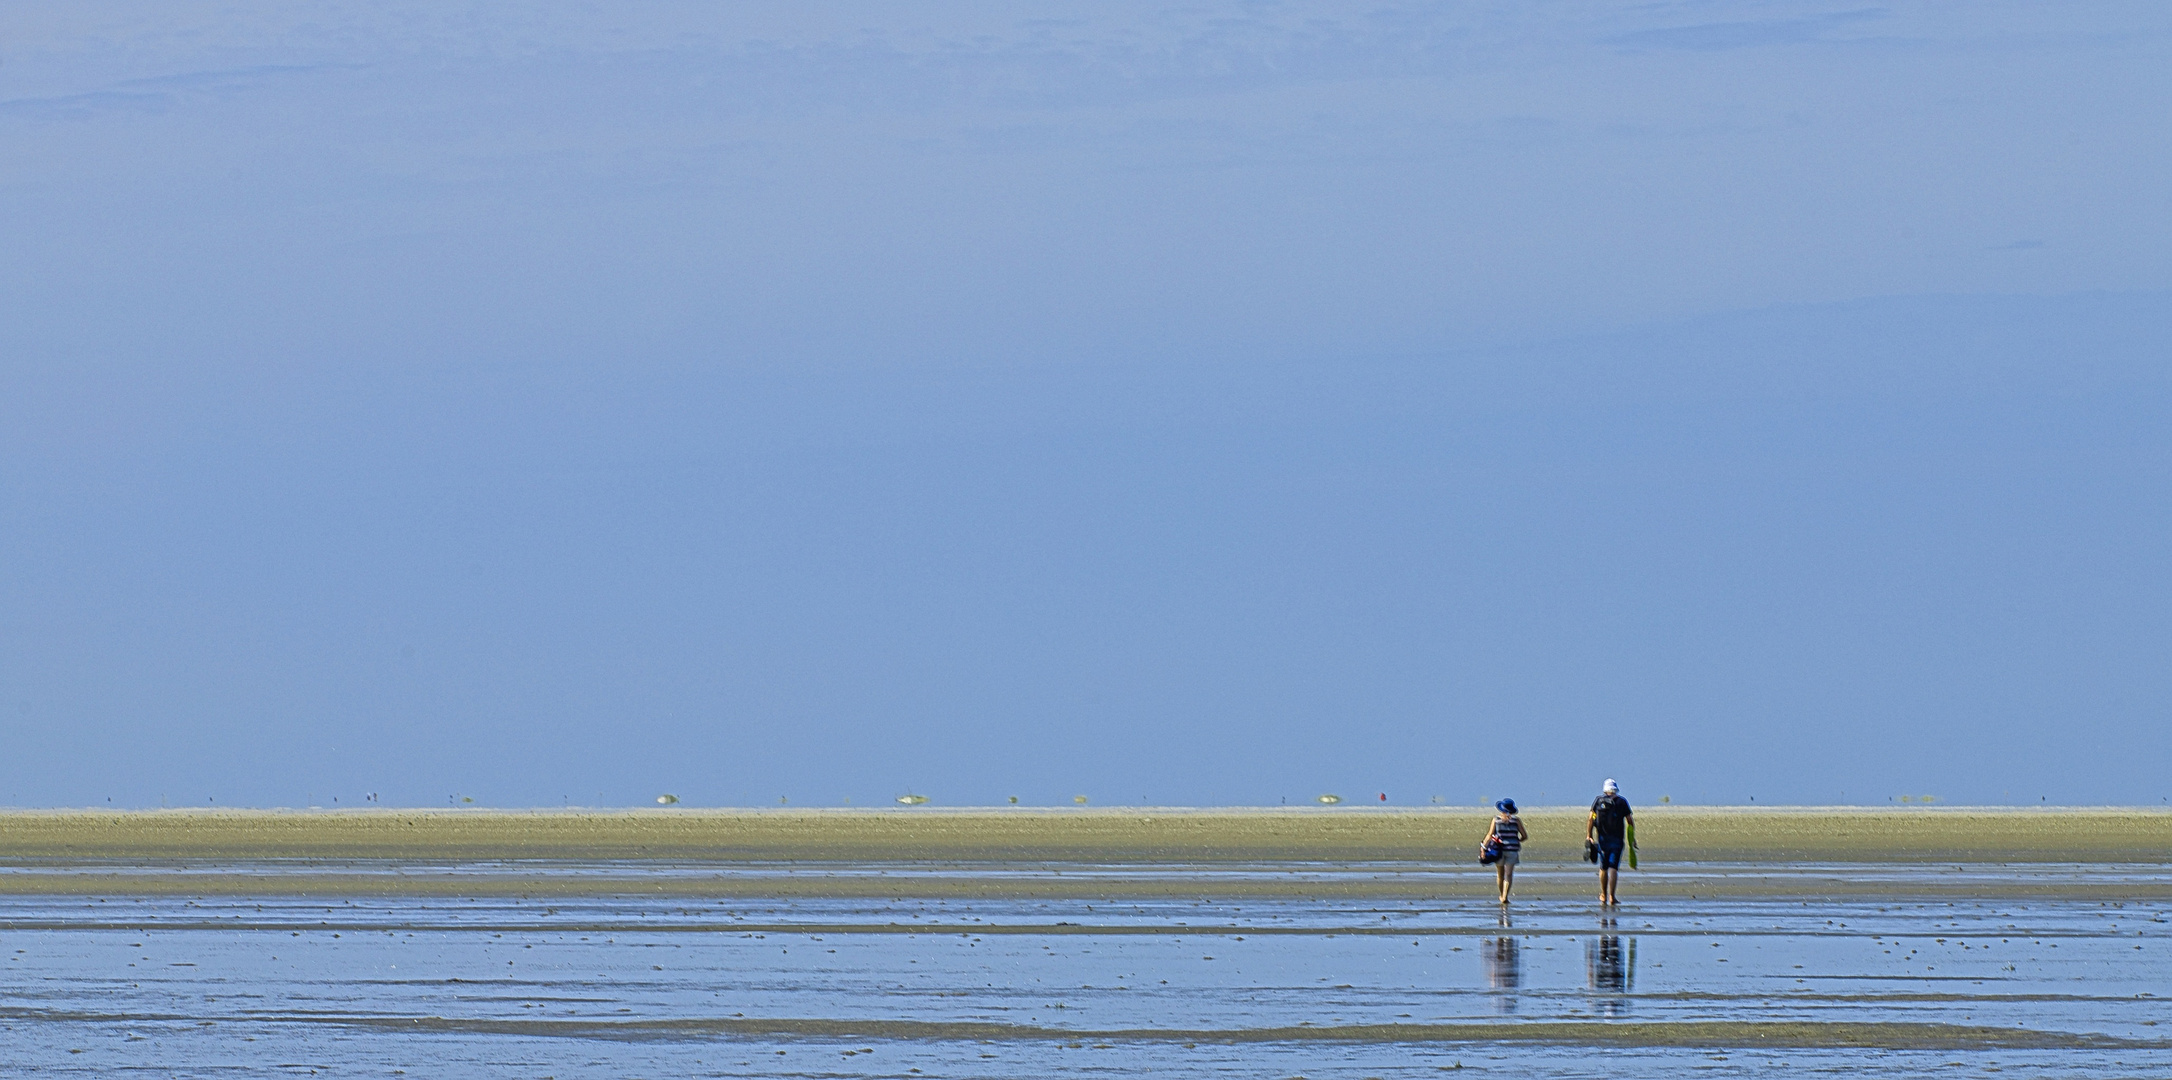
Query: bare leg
1608	880
1508	882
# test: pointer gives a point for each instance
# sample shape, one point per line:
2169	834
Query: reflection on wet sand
1503	959
1610	963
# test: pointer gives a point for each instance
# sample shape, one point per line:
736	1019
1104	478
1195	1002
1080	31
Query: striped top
1509	832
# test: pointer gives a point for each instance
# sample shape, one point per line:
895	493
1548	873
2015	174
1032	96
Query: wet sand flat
1323	987
1345	944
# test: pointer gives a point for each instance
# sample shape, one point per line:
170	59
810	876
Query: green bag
1629	837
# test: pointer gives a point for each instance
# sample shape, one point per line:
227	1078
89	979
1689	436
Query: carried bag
1490	853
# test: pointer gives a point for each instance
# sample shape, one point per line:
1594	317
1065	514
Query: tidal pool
1892	975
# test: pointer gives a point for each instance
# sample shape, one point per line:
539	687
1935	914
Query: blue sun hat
1506	806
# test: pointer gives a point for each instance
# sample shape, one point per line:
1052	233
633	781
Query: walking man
1609	828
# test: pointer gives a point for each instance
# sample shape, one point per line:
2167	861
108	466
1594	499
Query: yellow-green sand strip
1665	834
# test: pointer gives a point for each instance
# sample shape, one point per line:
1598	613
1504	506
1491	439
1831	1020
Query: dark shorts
1610	854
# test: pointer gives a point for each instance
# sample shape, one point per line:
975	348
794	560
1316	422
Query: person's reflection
1610	966
1504	967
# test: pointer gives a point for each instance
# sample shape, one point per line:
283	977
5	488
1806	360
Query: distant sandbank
1136	836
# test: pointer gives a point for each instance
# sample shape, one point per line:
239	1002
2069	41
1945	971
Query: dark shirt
1609	816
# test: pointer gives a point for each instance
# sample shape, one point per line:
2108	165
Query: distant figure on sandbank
1503	846
1612	830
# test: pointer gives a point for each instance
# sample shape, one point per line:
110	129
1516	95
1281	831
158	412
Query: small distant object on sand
666	800
912	800
1330	800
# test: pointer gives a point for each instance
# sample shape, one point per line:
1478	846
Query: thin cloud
1714	37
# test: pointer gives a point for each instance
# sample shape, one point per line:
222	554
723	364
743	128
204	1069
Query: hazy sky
1208	403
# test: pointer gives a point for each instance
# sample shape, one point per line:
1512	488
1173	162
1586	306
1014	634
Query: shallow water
634	986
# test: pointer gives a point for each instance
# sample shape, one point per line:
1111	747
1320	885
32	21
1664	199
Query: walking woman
1508	834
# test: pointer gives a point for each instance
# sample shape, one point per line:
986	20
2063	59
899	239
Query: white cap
1610	787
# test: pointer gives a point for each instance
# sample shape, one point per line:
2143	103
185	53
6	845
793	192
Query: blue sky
1208	404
